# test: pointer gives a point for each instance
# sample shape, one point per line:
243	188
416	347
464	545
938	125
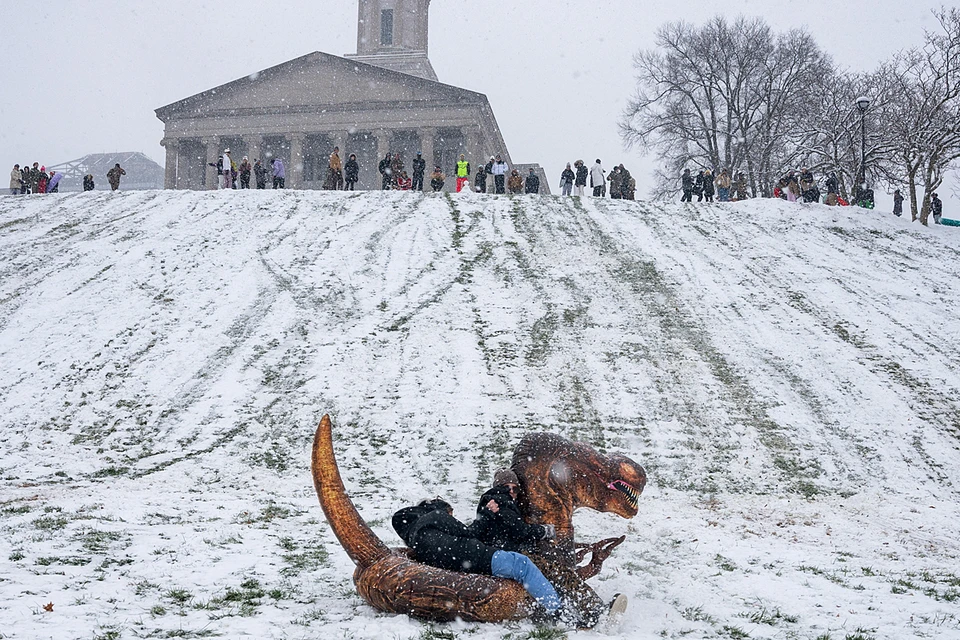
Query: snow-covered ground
788	375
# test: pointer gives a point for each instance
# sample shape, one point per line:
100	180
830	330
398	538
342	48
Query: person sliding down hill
440	540
499	524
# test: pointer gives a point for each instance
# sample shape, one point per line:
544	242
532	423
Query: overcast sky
85	77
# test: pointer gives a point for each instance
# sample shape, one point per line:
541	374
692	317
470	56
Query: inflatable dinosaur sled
557	476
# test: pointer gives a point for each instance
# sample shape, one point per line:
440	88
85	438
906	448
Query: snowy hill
789	376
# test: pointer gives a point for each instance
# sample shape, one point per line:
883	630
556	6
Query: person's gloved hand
549	532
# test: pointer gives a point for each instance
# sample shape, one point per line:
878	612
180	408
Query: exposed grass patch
305	561
73	561
697	614
725	564
96	541
433	633
769	617
15	510
50	523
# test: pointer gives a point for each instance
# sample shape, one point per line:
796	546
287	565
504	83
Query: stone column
172	146
383	143
340	140
295	172
253	147
427	136
213	152
471	138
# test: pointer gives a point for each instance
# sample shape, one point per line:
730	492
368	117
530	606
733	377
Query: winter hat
505	476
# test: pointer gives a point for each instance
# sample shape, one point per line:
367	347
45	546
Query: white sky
557	73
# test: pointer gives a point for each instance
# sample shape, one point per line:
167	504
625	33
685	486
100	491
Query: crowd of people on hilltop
495	176
231	175
26	179
795	186
705	185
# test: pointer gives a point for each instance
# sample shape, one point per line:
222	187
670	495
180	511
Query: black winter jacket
532	184
708	189
419	166
687	182
351	171
582	173
936	206
440	540
833	185
505	529
567	176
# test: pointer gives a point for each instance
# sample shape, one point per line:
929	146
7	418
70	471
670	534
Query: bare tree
833	141
726	95
925	124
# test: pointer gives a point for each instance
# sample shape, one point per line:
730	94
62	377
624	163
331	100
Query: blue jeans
516	566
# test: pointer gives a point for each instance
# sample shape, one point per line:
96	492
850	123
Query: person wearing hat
499	523
480	182
351	171
582	173
419	168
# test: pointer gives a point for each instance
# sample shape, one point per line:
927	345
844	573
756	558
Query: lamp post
863	103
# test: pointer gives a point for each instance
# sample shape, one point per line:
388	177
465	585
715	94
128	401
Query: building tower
393	34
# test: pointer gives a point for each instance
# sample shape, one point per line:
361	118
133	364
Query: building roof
315	86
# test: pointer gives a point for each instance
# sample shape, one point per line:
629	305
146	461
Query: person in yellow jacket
463	172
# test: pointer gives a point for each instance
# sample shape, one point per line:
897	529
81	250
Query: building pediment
313	82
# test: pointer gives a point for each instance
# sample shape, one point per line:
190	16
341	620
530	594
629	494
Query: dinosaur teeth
633	496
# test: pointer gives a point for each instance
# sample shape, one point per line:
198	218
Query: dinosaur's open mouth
633	496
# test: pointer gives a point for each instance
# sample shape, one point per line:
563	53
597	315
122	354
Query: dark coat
113	176
582	173
833	185
419	166
532	184
708	189
567	176
505	529
440	540
351	170
936	206
687	182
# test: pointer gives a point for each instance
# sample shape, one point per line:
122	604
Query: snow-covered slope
789	376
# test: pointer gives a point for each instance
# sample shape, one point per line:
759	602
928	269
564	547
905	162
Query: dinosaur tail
360	542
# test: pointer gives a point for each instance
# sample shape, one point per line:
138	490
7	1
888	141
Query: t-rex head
560	476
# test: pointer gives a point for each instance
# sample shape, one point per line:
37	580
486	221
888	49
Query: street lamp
863	103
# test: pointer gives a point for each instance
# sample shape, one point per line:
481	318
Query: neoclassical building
385	99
